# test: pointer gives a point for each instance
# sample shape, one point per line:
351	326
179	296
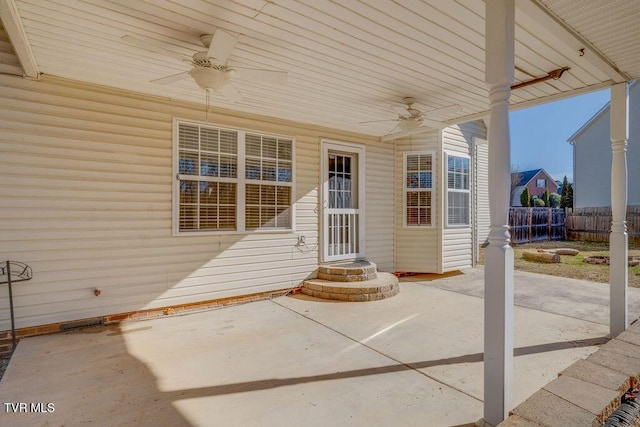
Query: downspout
442	193
474	201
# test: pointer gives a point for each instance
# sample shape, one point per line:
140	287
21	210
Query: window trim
544	183
446	188
433	188
241	181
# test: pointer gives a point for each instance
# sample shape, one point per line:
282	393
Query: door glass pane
340	188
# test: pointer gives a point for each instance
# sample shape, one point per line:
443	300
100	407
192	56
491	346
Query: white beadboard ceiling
348	61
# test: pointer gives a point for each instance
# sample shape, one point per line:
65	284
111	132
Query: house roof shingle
526	176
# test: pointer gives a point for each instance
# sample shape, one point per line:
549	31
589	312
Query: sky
539	134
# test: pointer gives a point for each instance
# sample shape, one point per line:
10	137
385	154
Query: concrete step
385	285
351	271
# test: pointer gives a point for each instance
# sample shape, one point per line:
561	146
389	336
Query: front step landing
353	271
352	281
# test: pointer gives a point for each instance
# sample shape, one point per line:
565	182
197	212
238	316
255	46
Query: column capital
619	112
500	51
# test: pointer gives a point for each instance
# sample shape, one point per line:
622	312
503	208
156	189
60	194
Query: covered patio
412	360
346	63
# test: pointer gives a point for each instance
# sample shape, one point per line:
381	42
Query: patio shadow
282	382
90	378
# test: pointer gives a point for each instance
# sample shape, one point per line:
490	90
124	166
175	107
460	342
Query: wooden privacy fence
594	224
535	224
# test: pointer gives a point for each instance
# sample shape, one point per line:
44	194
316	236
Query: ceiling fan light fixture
409	125
210	78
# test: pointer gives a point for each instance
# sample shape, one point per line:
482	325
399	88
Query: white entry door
343	201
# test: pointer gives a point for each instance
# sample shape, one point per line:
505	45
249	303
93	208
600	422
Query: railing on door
343	233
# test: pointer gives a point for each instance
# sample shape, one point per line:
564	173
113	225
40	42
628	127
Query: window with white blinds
231	180
458	193
418	189
269	164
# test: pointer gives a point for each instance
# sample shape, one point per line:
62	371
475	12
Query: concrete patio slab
411	360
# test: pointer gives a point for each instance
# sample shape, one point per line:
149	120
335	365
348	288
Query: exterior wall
85	184
438	249
515	198
418	248
379	206
592	159
533	189
481	199
539	191
458	242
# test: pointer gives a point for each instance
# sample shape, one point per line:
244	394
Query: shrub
524	198
554	200
545	197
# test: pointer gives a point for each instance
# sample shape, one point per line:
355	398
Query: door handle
324	206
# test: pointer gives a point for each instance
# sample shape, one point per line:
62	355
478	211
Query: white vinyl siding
418	248
592	157
418	189
481	192
379	206
86	183
457	241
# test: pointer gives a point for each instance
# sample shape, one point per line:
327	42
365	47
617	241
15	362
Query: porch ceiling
348	61
9	63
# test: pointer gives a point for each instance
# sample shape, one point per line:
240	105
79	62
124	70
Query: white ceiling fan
411	120
210	70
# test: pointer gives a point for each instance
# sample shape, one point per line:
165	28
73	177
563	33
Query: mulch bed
4	364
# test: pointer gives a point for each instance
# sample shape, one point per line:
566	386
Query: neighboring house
592	157
559	186
140	198
537	181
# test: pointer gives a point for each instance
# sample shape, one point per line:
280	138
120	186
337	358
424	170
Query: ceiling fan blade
433	123
262	76
378	121
231	93
170	79
401	111
222	44
444	110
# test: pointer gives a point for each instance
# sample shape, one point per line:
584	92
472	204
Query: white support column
618	241
498	276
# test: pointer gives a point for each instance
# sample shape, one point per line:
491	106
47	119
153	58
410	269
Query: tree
524	198
545	197
570	196
516	176
566	196
563	192
554	200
